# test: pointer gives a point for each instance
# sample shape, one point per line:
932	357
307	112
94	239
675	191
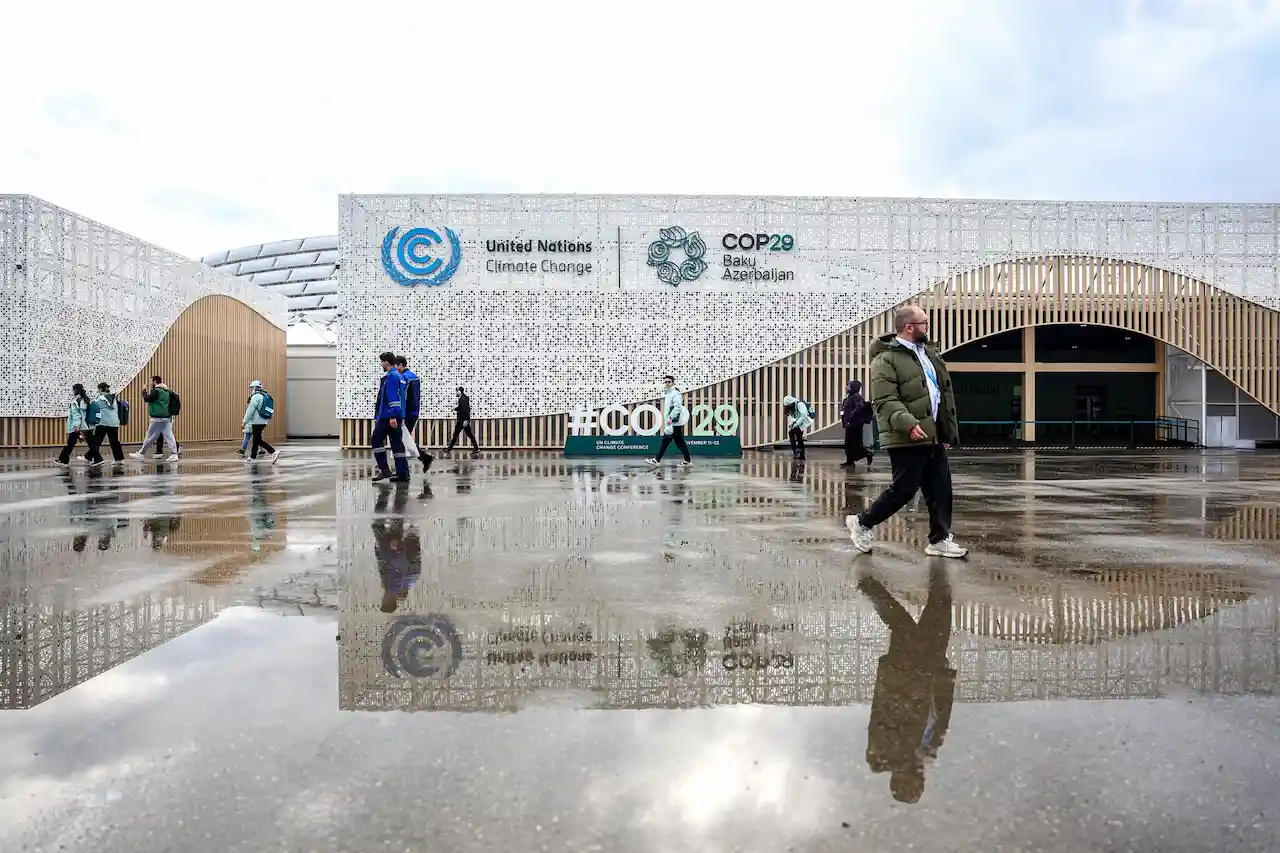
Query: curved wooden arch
1236	337
209	354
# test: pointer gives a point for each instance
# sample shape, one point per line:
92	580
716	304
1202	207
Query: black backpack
175	404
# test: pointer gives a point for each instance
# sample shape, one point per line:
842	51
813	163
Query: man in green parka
915	408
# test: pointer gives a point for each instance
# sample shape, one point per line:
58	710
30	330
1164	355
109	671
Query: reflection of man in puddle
915	686
399	554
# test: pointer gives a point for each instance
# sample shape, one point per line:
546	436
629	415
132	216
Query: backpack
175	403
267	407
92	415
122	411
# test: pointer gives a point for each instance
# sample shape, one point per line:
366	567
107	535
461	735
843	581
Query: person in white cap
257	415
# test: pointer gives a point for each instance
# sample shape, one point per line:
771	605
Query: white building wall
543	342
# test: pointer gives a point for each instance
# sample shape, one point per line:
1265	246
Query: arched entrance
1062	384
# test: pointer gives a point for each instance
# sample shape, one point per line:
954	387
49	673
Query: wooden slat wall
1234	336
209	356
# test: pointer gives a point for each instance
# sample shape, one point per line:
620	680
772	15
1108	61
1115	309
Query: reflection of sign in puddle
421	647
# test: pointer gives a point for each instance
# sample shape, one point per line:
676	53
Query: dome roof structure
302	270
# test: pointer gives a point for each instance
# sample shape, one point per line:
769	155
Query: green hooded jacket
900	395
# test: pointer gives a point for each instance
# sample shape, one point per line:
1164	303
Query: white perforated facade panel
82	302
529	340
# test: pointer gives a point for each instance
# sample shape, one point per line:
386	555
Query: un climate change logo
691	245
421	647
409	260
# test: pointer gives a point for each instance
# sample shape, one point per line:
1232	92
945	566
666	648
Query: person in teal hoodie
799	419
107	429
675	417
257	423
77	423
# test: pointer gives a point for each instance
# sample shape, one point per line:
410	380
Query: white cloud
202	131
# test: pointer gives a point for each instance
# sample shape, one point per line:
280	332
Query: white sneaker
60	463
136	456
859	535
249	460
686	464
652	461
946	548
173	457
274	457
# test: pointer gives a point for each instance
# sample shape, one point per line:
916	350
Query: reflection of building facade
52	638
534	620
599	295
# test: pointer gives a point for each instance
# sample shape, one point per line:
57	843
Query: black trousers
259	443
105	433
924	468
460	428
65	456
797	442
677	436
854	449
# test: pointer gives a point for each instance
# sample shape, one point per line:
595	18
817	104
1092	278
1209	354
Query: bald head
911	315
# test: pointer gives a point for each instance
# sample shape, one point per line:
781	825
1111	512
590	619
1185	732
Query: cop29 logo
411	259
691	246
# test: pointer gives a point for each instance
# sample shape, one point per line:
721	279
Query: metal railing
1176	432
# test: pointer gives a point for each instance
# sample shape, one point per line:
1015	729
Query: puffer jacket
800	416
674	412
157	401
900	395
108	414
252	414
76	412
851	412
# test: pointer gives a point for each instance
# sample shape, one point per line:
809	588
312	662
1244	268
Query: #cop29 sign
620	430
417	256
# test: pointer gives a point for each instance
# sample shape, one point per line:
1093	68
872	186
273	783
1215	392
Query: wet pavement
524	653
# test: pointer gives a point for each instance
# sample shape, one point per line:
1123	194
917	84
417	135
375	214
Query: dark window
1093	344
1005	347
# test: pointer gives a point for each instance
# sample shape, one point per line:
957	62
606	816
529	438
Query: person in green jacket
915	408
158	407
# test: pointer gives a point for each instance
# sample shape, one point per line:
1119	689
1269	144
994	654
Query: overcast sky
211	125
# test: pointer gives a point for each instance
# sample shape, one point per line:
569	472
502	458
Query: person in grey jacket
108	427
257	423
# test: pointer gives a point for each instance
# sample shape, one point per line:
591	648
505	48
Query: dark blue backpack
267	407
122	411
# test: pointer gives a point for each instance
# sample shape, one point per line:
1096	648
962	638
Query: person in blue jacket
412	410
389	415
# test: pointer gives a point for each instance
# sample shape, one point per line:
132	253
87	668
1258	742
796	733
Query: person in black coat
915	686
855	413
462	426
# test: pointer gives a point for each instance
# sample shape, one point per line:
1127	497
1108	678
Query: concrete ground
525	653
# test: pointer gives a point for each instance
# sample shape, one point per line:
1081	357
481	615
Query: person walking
463	424
412	409
257	414
77	423
389	415
675	417
108	427
916	414
161	409
854	415
799	419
